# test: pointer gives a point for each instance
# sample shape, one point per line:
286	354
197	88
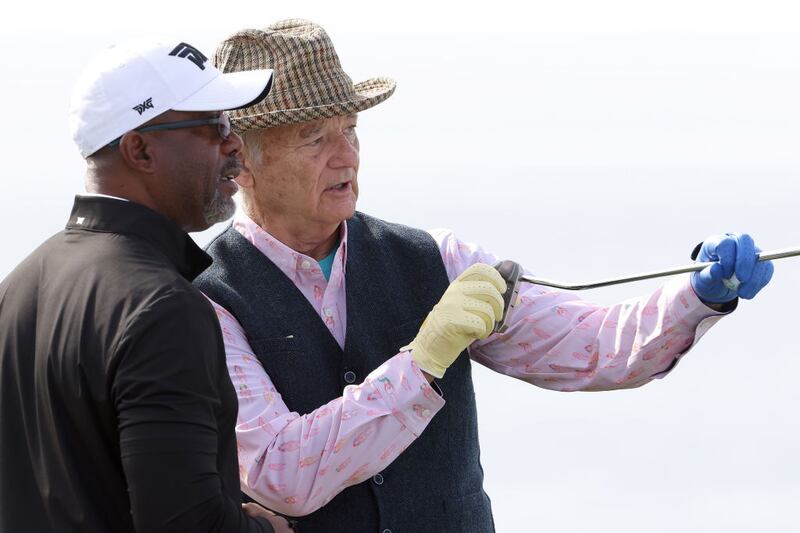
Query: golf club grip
511	273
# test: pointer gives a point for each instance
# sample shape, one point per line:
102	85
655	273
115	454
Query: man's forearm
295	464
172	491
560	342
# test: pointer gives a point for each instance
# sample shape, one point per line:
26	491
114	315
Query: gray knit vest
394	277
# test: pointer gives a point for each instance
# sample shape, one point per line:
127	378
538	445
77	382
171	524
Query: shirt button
350	376
328	311
305	265
377	479
426	413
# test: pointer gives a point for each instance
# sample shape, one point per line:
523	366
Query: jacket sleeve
166	390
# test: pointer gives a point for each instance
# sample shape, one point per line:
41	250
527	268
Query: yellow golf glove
467	311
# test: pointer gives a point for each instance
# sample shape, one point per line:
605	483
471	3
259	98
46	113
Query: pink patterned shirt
294	463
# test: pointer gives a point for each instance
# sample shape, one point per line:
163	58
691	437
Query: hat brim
232	90
367	94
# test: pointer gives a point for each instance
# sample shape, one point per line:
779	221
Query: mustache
233	165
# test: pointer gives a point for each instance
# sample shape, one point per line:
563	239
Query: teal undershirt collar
326	264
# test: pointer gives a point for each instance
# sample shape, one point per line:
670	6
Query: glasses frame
222	122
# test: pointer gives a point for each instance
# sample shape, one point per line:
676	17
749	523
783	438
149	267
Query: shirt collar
98	195
289	261
116	215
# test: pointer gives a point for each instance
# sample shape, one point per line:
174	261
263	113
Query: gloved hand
736	272
467	311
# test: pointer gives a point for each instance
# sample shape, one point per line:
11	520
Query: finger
253	510
708	252
726	255
485	291
477	319
746	256
762	274
711	274
483	272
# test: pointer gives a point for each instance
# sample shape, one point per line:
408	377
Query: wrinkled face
197	167
307	173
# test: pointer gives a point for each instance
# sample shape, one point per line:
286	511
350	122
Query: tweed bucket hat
308	82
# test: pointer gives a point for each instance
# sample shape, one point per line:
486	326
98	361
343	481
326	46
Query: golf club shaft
693	267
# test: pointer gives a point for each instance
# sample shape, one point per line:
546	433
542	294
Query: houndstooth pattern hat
308	80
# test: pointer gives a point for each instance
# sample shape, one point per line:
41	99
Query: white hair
253	146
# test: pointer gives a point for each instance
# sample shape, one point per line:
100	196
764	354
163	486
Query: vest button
387	531
377	479
350	376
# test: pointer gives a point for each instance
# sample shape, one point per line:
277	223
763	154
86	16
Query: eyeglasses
222	122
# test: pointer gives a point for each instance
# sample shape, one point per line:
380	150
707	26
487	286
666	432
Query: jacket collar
114	215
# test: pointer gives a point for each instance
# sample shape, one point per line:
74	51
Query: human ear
137	152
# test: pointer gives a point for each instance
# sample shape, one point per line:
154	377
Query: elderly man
319	306
117	410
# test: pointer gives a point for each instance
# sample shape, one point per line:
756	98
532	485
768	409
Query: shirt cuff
688	307
690	313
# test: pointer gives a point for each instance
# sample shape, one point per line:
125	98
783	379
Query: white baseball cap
128	85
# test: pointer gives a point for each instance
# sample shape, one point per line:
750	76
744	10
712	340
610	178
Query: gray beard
220	209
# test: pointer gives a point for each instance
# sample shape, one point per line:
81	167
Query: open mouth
339	186
230	174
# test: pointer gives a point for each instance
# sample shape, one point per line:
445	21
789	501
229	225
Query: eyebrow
311	129
316	127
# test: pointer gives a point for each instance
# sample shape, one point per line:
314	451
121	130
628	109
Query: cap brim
232	90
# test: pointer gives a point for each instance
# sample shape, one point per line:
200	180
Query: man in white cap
117	410
320	306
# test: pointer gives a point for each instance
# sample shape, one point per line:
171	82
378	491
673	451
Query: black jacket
117	410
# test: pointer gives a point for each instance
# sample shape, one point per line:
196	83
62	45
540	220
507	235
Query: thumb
711	275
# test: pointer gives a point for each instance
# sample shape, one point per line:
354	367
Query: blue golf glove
736	272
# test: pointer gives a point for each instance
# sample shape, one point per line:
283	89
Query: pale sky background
584	139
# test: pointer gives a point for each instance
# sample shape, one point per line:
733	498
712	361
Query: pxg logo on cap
128	85
147	104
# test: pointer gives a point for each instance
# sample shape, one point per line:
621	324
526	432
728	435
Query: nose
232	145
345	152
